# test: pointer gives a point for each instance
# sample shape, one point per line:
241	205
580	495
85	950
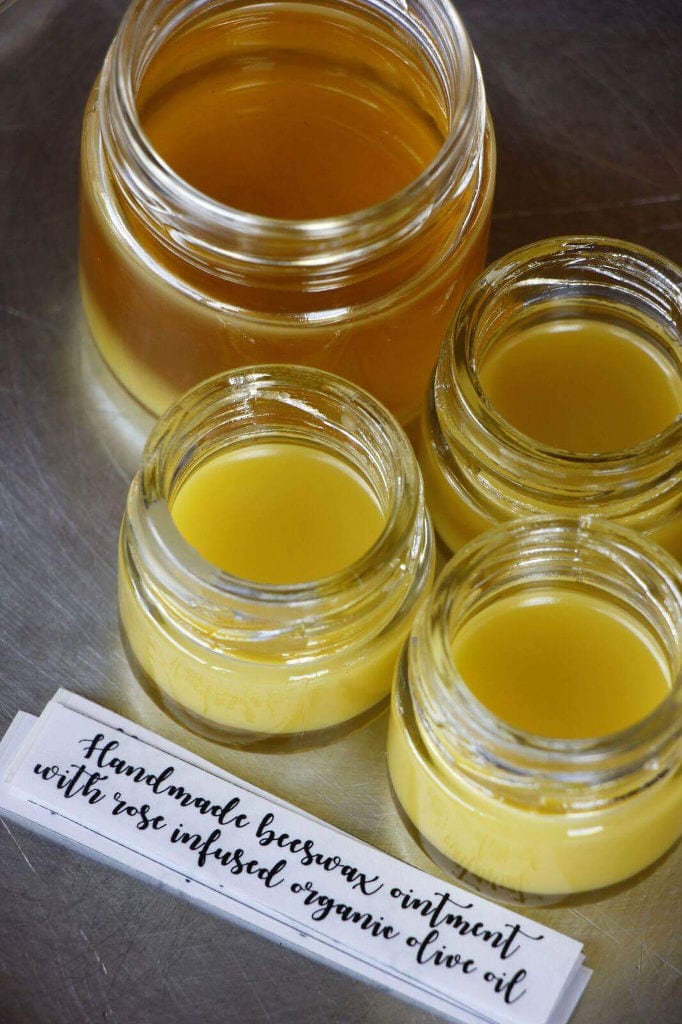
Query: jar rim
380	586
394	298
155	183
511	752
594	262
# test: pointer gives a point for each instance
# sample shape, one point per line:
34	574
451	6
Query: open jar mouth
591	276
597	557
292	404
205	226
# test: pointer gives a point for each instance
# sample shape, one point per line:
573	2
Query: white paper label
125	793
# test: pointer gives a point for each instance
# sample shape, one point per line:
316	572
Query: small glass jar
520	816
178	286
260	664
478	470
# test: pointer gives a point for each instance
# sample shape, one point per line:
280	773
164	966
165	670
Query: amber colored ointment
582	386
288	137
278	513
310	117
560	663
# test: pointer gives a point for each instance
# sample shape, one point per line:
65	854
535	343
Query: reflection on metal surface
68	453
118	420
21	21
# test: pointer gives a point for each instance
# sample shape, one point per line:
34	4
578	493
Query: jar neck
605	280
237	245
464	736
281	404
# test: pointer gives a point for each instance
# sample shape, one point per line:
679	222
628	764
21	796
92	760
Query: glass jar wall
337	236
274	655
526	804
559	390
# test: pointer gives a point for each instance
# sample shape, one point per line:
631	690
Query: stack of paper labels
89	778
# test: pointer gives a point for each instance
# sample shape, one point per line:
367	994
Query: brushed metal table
585	98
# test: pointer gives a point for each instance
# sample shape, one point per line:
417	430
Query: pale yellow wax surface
561	663
582	386
278	513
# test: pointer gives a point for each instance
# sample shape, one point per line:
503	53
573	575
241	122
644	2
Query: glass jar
262	664
521	816
478	470
178	286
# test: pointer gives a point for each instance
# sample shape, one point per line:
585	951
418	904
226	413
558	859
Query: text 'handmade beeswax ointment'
534	739
252	167
559	390
274	552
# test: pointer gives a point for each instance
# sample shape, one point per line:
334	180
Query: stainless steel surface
584	97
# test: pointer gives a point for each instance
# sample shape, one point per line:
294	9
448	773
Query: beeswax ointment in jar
559	390
252	168
274	551
536	721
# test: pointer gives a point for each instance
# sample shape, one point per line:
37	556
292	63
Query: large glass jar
479	470
177	285
519	815
264	664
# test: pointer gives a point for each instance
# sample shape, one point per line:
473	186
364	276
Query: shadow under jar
558	390
564	774
270	662
274	182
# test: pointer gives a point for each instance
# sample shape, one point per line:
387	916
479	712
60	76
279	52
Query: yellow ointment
255	692
278	513
315	556
561	663
579	393
533	740
582	386
548	851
